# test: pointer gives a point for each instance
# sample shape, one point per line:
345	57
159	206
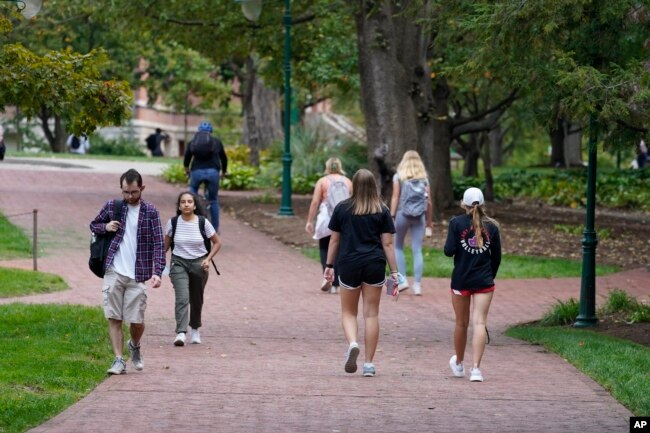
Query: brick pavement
272	352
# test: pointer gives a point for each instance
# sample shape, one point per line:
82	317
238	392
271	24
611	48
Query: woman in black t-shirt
361	243
473	241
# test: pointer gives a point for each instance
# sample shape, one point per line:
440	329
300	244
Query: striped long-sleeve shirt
150	254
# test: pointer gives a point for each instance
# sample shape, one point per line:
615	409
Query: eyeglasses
131	193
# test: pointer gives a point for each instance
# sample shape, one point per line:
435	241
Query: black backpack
202	145
206	239
75	143
151	142
99	245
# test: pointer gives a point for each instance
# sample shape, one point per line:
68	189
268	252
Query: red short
468	292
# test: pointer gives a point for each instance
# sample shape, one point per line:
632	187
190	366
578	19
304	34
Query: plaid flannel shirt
150	254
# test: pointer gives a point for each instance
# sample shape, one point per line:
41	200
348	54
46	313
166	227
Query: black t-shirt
474	267
360	240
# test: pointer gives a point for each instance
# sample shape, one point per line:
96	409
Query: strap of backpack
206	240
174	222
117	209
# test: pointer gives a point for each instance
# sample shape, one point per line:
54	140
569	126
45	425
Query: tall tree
572	59
220	32
61	83
182	79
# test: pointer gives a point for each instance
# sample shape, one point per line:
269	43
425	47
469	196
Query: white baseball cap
473	196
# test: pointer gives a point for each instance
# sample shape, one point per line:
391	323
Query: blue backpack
413	197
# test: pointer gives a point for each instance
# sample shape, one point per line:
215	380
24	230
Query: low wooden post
35	240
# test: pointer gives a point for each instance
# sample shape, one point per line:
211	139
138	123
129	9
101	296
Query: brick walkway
272	352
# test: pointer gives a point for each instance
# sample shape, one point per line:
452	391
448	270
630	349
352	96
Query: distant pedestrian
411	209
641	155
204	158
136	254
361	244
79	145
154	142
190	262
328	192
3	148
474	242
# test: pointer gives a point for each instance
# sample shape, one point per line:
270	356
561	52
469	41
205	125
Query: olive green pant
189	280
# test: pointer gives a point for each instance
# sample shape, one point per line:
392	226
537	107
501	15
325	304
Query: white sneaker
117	367
457	369
475	375
417	289
334	290
180	339
195	336
402	282
351	358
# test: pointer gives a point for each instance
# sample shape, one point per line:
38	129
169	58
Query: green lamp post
28	8
252	10
587	313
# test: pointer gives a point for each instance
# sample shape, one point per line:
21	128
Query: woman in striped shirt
194	242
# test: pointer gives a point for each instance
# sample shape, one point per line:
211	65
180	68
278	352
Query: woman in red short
473	240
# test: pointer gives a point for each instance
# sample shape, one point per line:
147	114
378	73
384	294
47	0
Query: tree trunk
57	138
471	156
266	113
251	134
487	167
556	135
572	145
441	183
392	64
496	146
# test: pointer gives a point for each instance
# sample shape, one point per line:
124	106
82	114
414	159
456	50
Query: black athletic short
351	275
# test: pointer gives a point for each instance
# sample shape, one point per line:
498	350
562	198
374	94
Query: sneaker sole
115	373
351	362
368	374
476	379
138	367
196	342
179	343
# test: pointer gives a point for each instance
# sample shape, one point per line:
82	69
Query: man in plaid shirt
136	254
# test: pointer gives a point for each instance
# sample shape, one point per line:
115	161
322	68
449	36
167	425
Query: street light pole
252	10
587	314
285	208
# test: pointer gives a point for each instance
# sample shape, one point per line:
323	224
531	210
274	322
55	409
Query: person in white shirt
79	145
189	234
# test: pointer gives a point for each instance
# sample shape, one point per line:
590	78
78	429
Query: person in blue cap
205	161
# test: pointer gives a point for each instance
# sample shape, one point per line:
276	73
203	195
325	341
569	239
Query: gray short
124	298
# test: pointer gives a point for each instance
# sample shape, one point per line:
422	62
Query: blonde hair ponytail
476	225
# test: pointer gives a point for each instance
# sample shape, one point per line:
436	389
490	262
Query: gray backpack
413	197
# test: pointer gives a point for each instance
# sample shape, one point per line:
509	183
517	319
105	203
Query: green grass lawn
52	356
13	242
436	264
16	282
619	366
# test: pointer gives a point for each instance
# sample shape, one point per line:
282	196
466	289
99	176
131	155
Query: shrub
562	313
175	173
240	177
622	304
117	147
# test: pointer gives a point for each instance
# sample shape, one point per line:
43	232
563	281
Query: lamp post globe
252	10
27	8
